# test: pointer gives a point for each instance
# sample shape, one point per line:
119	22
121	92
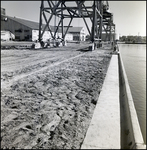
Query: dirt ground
48	96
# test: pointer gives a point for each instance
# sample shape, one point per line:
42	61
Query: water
134	59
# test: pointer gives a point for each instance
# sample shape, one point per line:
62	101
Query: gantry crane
97	11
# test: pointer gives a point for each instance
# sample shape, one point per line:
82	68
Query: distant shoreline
129	43
133	43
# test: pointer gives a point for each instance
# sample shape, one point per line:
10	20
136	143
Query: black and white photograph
73	74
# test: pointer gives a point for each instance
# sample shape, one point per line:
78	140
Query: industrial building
25	30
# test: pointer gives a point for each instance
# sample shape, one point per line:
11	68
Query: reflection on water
134	59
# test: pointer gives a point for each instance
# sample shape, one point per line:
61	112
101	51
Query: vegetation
127	39
132	39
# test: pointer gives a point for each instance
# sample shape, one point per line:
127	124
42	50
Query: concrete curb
114	124
104	129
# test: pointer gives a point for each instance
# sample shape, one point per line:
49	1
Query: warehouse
78	33
25	30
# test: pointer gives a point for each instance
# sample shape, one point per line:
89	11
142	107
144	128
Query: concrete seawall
131	136
114	124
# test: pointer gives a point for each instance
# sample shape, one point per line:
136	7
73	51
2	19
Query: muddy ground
48	96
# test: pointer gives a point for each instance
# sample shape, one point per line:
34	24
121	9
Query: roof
70	30
30	24
35	25
75	29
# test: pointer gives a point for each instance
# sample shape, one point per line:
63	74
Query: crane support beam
97	11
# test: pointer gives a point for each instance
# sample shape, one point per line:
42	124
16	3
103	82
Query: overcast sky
129	16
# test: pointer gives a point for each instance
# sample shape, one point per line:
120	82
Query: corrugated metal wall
20	31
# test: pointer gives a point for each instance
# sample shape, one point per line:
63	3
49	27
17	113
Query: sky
128	16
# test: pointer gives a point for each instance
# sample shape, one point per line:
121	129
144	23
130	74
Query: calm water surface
134	59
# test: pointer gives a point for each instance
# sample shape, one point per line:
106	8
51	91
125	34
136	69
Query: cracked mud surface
48	97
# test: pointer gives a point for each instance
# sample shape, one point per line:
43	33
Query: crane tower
97	11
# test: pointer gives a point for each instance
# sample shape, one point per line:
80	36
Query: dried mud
48	97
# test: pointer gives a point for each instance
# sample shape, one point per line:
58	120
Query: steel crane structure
97	11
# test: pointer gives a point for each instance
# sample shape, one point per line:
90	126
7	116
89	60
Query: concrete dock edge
104	129
114	124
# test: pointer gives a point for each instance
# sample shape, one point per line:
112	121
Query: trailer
7	36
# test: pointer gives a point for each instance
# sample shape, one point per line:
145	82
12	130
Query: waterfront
134	59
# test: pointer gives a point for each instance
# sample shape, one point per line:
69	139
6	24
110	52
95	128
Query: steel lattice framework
96	11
